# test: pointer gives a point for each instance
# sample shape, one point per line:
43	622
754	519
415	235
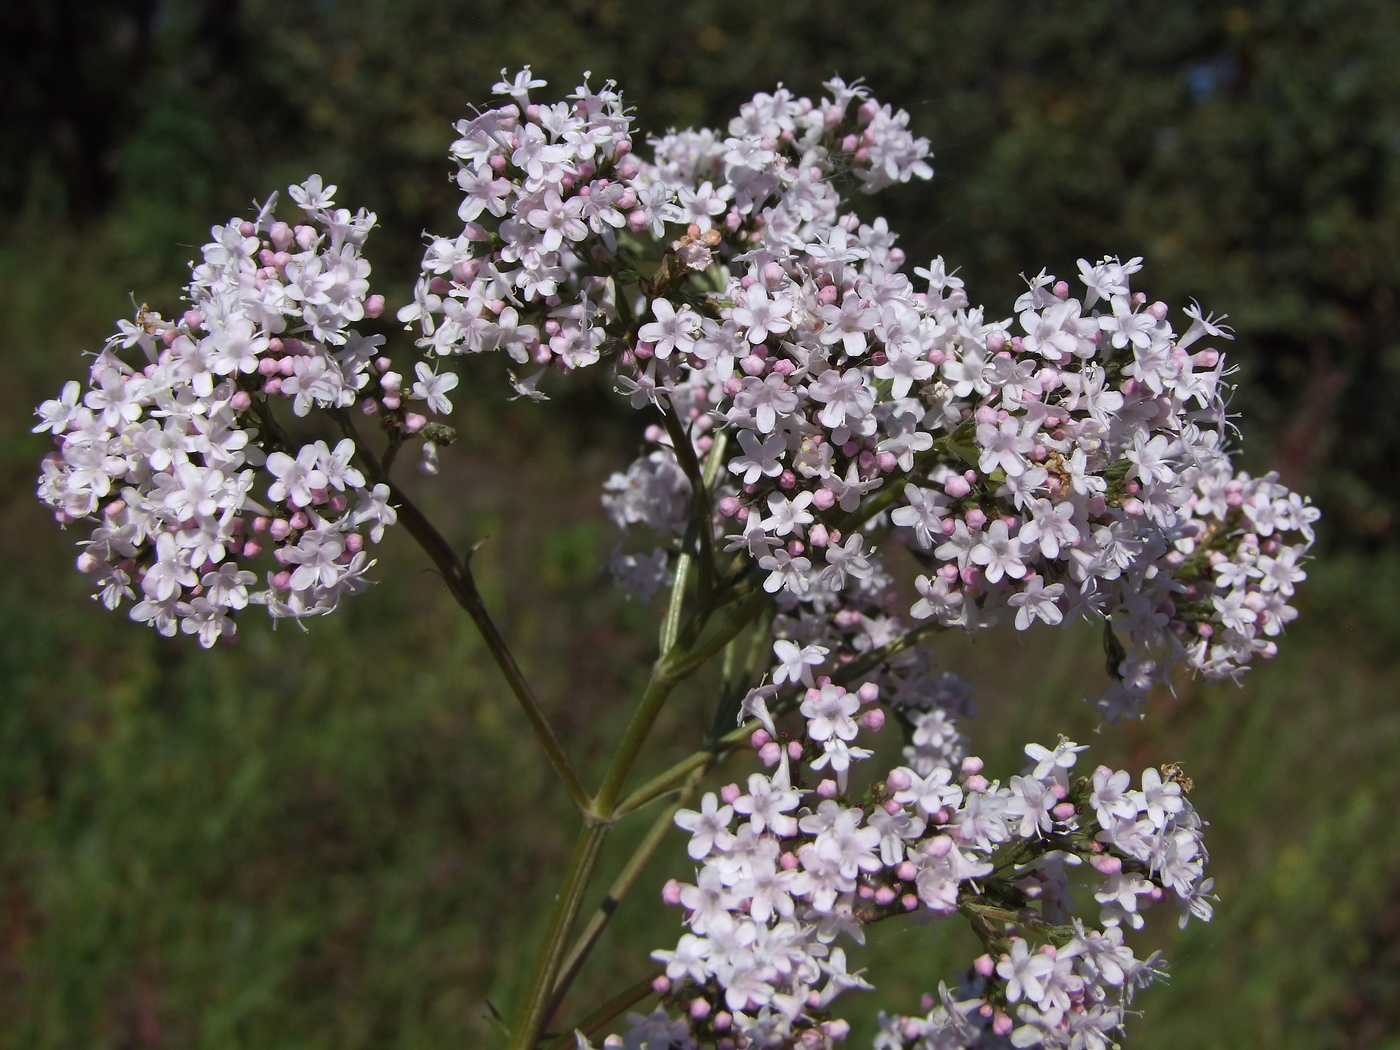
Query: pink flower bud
956	486
823	499
280	235
794	750
1063	811
671	892
759	738
976	782
873	719
1106	865
252	549
414	423
898	780
729	793
868	693
827	789
906	871
909	902
699	1009
1002	1024
753	365
769	753
984	965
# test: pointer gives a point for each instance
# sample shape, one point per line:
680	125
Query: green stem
700	491
621	886
671	621
533	1015
658	690
743	614
457	574
623	1000
702	759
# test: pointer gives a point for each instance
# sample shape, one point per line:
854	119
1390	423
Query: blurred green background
346	837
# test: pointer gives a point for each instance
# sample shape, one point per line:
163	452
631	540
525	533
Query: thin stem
621	886
460	582
703	758
623	1000
704	517
665	674
658	689
530	1021
671	621
743	614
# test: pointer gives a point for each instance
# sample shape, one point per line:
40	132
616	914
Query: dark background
344	837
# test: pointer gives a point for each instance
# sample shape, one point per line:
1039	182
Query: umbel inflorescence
816	407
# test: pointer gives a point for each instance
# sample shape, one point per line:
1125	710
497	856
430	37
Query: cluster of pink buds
174	451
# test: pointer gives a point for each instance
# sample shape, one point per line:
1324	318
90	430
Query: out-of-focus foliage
255	849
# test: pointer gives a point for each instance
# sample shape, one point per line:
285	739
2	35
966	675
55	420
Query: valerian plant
813	406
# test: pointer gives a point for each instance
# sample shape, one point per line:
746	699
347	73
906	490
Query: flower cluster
555	205
1075	470
1066	462
794	861
173	450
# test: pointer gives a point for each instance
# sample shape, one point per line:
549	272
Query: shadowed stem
457	574
621	886
628	997
534	1011
700	489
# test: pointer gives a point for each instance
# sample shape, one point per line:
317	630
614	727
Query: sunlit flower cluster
173	451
